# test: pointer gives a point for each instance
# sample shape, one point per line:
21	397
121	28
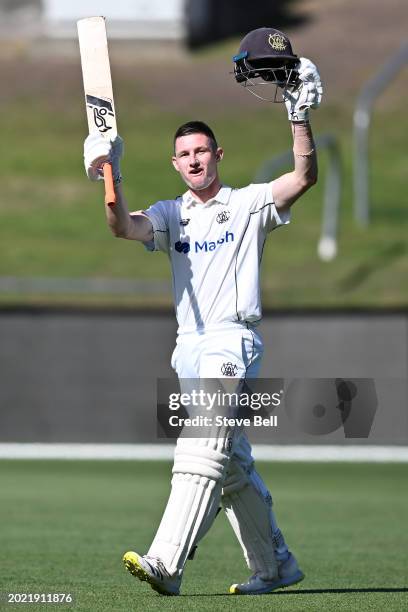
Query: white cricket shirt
215	250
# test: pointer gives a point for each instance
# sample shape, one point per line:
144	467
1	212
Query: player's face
196	160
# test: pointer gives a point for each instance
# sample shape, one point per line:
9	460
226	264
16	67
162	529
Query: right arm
132	226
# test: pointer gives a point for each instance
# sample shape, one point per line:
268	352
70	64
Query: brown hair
195	127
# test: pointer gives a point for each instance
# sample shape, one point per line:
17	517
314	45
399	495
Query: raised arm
298	99
132	226
290	186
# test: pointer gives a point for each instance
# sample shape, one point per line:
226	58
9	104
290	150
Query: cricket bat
100	108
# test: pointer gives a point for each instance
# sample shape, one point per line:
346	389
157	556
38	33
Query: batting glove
97	151
308	94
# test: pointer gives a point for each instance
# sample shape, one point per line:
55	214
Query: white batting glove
97	151
308	94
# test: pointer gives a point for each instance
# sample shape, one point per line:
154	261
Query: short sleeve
261	203
158	215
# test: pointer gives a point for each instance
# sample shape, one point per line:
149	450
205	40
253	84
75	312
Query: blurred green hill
52	220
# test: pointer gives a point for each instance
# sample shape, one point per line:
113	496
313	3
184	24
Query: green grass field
52	221
65	525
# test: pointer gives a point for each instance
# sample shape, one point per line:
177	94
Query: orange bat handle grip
110	195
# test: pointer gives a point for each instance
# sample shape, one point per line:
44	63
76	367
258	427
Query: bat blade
100	106
96	73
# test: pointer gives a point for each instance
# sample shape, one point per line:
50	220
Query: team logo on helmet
223	216
229	369
277	42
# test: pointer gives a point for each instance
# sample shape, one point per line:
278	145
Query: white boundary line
157	452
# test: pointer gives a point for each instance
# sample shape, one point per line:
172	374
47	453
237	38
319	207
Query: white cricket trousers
222	351
214	469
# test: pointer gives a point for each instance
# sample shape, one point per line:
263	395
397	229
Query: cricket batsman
214	236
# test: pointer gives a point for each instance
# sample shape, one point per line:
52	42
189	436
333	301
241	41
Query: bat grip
110	195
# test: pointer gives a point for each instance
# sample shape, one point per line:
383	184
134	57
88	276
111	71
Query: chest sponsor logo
205	246
182	247
211	245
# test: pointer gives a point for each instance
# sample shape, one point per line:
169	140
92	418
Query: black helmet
266	54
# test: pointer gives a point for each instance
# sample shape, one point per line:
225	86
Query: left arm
290	186
298	100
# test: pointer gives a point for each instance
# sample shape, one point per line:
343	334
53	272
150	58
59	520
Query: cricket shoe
152	570
288	574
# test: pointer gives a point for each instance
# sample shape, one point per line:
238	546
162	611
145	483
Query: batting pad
198	474
249	511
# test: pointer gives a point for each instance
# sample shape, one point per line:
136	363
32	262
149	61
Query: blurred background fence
92	377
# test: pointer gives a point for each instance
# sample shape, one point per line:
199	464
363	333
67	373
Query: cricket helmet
265	57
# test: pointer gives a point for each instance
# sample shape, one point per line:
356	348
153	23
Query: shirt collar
222	197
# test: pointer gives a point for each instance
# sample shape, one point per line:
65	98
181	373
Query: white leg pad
198	474
249	512
281	549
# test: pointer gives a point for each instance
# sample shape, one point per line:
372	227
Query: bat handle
110	195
